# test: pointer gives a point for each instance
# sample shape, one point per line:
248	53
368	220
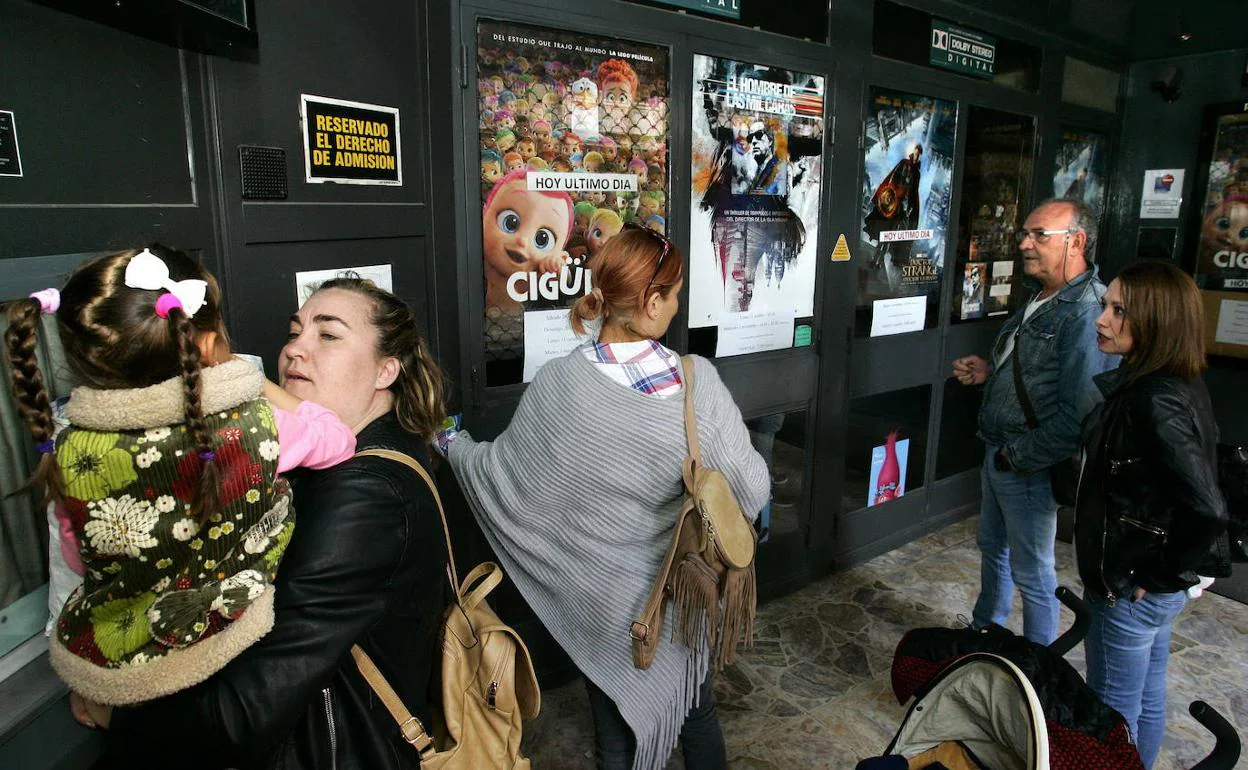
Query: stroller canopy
985	702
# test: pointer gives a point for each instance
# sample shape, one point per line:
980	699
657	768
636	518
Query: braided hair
31	394
114	339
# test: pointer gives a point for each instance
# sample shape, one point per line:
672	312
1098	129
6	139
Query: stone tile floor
814	693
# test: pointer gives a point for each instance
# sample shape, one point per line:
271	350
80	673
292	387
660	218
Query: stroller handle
1079	629
1226	746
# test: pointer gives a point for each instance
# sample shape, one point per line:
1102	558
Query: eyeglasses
754	137
1039	234
667	247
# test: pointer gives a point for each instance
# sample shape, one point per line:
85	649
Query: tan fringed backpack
709	567
488	684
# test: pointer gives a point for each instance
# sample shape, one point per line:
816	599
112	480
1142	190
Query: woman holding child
365	564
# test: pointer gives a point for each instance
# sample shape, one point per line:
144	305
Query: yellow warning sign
841	252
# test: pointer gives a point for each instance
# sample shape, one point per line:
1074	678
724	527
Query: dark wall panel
107	124
1157	134
110	128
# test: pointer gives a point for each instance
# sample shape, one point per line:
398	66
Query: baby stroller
992	700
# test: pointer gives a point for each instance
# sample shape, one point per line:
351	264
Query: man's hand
970	370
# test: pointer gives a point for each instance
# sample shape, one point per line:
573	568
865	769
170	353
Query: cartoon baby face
527	149
491	170
1226	227
601	230
522	228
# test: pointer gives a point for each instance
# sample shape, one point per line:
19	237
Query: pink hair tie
167	301
49	300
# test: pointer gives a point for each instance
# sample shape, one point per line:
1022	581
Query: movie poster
887	481
974	279
1079	169
757	162
906	194
573	144
1222	247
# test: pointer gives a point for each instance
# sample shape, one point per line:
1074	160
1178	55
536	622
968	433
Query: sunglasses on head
667	247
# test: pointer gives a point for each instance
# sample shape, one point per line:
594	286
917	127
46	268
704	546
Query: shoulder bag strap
644	629
691	418
1019	387
412	729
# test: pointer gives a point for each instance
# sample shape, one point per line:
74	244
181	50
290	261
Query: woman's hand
1138	594
88	713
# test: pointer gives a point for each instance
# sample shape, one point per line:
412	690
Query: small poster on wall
573	144
1002	286
1162	197
888	470
10	154
974	280
906	192
1079	168
757	167
308	281
350	142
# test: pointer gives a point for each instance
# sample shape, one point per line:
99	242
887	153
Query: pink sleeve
69	541
311	437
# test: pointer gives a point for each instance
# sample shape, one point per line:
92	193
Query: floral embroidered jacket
167	601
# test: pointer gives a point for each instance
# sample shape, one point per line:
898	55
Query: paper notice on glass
999	290
308	281
547	336
754	331
898	316
1232	322
1163	193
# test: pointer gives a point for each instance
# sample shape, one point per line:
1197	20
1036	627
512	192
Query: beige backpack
488	684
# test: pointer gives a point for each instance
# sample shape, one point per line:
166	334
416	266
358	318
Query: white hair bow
148	271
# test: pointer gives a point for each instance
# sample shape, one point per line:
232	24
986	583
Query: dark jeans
701	739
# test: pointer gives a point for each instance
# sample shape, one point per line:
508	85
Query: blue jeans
1127	648
701	738
1017	529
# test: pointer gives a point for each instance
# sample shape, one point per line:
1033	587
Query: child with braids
166	477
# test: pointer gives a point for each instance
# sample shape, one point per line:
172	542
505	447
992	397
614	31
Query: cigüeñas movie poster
573	143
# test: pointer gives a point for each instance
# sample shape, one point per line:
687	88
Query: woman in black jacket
366	565
1149	516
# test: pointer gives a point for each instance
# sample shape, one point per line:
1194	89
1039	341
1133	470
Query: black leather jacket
366	564
1149	512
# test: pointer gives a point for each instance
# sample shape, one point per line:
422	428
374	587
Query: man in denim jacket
1055	337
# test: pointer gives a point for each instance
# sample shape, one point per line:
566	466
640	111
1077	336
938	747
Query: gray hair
1084	219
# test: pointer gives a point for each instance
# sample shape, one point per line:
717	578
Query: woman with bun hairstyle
579	497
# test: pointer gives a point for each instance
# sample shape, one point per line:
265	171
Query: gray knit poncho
579	496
